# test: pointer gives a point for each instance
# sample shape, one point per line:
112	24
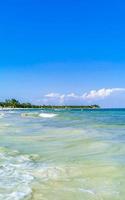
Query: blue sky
62	47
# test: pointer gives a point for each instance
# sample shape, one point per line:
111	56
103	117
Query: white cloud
75	98
102	93
55	96
62	98
52	95
72	95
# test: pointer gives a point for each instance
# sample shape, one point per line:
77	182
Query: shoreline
6	109
50	108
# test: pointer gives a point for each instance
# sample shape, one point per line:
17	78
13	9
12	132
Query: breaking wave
42	115
47	115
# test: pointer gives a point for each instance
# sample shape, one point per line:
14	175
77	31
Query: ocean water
62	154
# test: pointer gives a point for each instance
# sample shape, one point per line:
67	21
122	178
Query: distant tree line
13	103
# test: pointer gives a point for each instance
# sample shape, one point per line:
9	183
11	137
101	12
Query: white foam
43	115
1	115
86	191
47	115
15	176
17	173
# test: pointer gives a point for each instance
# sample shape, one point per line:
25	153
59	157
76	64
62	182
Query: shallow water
62	154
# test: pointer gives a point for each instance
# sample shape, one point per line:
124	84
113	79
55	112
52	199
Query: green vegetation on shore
13	103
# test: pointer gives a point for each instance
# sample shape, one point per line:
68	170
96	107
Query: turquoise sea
62	154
